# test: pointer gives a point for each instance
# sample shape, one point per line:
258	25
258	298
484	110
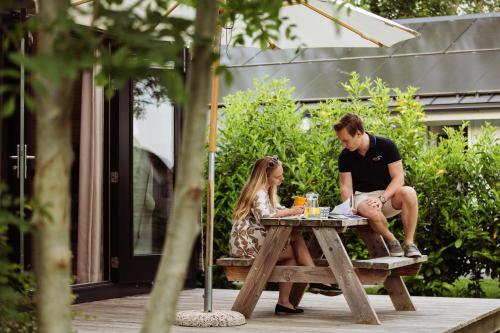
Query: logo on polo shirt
377	158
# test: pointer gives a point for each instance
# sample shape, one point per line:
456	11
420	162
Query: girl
258	200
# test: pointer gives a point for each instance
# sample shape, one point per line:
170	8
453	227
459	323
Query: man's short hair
350	121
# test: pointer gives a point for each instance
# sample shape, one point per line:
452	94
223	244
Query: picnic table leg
343	270
261	269
299	289
394	285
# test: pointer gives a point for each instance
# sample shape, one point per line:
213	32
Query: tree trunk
51	218
184	228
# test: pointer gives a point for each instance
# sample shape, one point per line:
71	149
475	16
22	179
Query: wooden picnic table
337	268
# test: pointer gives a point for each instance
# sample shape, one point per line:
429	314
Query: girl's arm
295	210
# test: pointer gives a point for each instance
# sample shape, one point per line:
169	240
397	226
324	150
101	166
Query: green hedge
457	185
16	305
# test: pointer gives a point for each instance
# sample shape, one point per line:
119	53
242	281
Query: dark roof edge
426	107
462	107
446	18
417	95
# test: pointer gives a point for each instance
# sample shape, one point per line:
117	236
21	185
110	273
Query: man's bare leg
405	199
377	220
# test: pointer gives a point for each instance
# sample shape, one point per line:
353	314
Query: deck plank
322	314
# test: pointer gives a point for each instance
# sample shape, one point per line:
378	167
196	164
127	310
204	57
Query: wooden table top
294	221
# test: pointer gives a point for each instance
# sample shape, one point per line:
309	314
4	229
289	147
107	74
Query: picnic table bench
337	267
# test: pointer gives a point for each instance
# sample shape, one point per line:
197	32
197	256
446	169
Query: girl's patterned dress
247	235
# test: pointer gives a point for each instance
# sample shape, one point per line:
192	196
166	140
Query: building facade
122	179
454	63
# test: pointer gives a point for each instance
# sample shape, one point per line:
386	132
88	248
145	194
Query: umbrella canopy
324	23
318	23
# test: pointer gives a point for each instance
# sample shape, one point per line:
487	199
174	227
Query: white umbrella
323	23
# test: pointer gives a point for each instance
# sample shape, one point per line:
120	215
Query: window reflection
153	162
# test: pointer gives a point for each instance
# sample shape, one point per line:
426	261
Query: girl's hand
296	210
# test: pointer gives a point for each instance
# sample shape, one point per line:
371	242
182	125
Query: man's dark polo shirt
370	172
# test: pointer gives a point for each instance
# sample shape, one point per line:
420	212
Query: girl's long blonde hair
257	181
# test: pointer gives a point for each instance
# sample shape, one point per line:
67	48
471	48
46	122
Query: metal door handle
26	158
16	157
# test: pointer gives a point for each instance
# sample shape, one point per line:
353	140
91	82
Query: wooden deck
322	314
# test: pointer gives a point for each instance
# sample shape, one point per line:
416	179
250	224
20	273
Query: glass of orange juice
299	201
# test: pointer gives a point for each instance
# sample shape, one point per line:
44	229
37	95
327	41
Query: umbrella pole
210	318
211	178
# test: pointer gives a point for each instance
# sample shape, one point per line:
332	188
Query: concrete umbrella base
195	318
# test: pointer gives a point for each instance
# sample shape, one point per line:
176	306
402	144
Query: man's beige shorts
387	209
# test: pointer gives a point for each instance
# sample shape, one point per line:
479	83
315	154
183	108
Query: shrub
457	185
459	209
16	307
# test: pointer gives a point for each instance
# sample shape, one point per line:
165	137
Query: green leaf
8	107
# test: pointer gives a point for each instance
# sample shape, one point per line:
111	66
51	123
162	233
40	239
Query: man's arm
345	180
397	179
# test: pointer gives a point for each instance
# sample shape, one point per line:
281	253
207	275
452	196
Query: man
371	169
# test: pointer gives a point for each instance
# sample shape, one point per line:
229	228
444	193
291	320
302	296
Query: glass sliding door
152	168
17	150
145	139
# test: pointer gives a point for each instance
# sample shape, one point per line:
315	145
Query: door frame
125	266
130	268
12	144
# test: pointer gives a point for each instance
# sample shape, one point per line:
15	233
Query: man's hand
374	203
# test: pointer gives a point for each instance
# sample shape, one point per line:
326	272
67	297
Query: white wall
476	119
475	128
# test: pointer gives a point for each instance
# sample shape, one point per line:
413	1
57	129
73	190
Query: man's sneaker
412	251
395	248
